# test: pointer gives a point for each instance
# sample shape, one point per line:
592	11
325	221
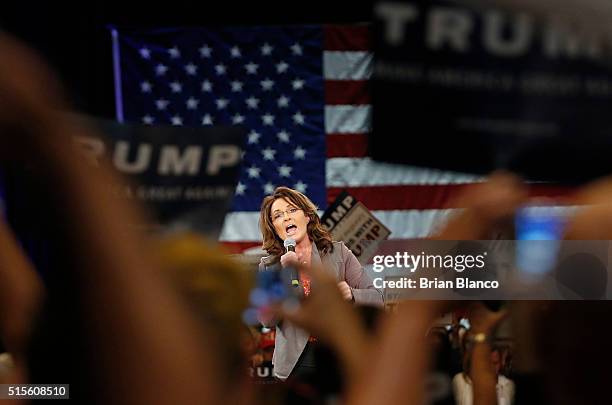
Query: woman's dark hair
272	243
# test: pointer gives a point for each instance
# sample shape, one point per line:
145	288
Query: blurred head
461	331
441	349
287	213
216	289
457	333
496	360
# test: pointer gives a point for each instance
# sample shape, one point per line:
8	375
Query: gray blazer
291	340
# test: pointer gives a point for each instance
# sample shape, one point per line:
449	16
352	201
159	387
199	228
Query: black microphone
290	246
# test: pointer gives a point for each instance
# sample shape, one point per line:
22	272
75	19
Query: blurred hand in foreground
484	206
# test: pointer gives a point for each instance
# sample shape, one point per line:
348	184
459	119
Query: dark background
75	40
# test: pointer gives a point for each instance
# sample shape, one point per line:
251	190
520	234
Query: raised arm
483	375
267	317
327	315
149	349
21	292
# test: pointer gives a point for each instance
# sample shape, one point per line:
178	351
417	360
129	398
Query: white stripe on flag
404	224
341	119
407	224
363	172
338	65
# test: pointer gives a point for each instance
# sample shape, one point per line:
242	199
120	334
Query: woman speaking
287	215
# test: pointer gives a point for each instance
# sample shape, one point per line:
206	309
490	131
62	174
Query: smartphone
540	222
539	227
272	287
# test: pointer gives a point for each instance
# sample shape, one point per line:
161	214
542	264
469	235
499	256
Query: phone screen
540	222
539	229
272	287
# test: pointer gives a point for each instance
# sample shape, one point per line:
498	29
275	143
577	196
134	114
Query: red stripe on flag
340	92
347	145
426	196
558	192
347	38
403	197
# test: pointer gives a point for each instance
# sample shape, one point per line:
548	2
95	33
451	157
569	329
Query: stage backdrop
303	94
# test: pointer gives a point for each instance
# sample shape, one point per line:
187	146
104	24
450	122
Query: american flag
303	94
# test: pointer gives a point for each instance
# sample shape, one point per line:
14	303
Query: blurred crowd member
505	354
456	336
339	327
575	369
402	368
482	363
442	370
217	290
459	332
345	339
111	325
289	214
462	383
439	342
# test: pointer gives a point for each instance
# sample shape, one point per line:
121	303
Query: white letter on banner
517	44
449	25
395	15
558	42
171	162
222	156
143	157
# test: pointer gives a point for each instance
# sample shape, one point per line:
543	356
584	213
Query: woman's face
288	220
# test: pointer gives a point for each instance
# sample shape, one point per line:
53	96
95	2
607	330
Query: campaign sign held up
187	176
350	221
476	89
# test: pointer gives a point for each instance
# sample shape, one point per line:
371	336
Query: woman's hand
345	291
289	259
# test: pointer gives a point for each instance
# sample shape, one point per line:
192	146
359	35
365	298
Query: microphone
290	246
